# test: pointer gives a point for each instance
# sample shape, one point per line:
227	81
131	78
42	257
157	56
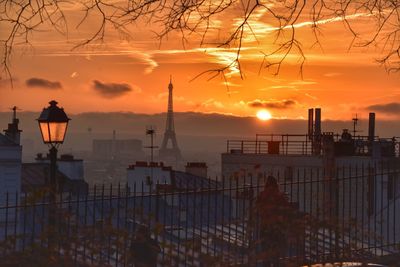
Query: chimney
13	132
197	168
310	123
317	122
371	127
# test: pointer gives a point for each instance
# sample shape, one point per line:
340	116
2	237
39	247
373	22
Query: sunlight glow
264	115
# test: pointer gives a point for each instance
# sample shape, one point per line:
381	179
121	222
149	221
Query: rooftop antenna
355	122
150	130
14	109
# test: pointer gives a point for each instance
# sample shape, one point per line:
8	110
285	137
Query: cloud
212	103
333	74
283	87
322	21
272	104
388	108
111	90
303	82
42	83
230	84
311	96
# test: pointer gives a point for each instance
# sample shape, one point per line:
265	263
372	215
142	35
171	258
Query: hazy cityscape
260	133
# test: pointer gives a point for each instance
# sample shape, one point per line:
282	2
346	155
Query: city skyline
200	133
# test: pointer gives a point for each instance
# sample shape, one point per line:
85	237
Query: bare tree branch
19	18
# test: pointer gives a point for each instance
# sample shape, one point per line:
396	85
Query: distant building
10	170
70	174
148	175
10	160
156	176
67	164
197	168
108	149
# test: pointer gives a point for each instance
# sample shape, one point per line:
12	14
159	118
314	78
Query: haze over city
238	133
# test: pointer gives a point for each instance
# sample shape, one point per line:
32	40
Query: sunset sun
264	115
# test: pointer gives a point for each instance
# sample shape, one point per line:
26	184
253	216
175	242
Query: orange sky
342	83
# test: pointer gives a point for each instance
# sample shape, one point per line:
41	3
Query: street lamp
53	123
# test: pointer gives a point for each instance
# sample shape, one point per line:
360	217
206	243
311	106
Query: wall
10	181
148	176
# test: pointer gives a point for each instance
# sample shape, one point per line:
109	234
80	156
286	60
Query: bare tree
19	18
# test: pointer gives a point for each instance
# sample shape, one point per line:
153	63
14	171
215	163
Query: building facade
355	179
10	172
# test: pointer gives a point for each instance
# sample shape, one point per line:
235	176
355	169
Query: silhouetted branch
18	19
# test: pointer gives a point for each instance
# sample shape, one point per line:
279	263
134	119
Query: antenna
355	123
150	130
14	109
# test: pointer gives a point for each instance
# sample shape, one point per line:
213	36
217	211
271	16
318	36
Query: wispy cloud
333	74
43	83
283	87
320	22
303	82
111	90
272	104
311	96
212	103
230	84
392	108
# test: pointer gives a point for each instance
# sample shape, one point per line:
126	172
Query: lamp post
53	123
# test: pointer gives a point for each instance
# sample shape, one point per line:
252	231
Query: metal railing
300	144
350	214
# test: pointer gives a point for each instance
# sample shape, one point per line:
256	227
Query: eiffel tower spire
169	135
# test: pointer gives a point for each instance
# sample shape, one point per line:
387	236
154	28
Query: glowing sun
264	115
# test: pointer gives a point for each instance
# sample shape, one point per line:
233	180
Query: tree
19	18
278	226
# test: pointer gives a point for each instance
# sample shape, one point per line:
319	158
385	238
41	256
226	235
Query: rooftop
304	144
36	176
149	164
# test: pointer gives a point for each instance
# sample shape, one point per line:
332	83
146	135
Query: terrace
304	144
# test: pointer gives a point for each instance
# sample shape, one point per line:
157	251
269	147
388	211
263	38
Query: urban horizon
193	133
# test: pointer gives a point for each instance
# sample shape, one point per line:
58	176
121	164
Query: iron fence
346	214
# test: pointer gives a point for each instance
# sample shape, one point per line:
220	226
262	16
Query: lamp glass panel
57	131
44	129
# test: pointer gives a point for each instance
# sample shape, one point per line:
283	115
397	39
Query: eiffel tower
169	135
